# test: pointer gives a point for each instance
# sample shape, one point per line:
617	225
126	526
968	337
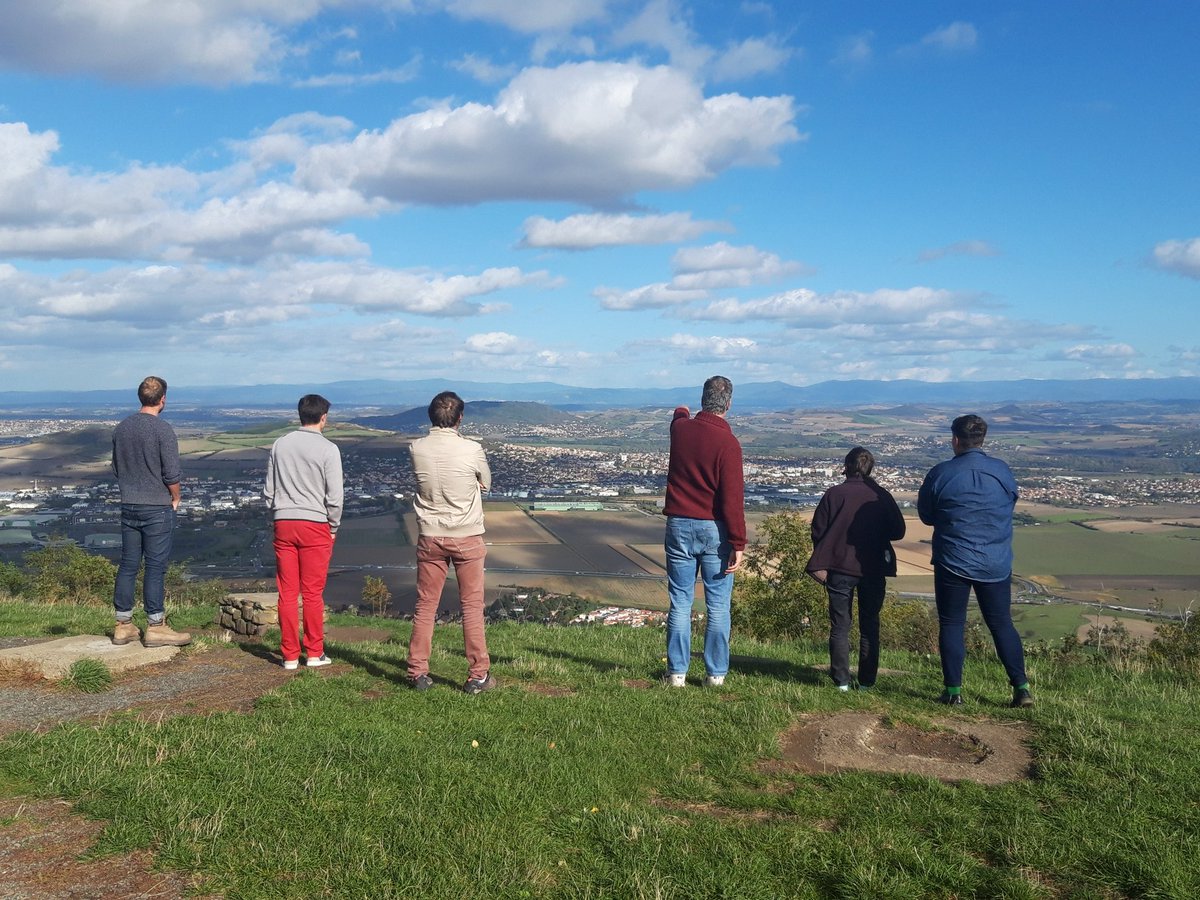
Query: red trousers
434	556
302	552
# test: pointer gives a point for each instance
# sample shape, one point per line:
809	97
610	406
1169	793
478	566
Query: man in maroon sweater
706	530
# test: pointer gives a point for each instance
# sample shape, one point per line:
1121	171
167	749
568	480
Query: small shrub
773	597
1176	645
12	580
89	676
376	596
908	625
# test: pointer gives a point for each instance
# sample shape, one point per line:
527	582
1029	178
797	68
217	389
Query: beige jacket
451	471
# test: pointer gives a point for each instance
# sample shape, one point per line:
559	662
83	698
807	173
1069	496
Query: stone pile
249	614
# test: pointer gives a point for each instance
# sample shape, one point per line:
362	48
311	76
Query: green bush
375	595
1176	646
64	573
773	598
12	580
908	625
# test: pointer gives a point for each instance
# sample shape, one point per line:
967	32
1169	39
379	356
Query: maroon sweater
704	479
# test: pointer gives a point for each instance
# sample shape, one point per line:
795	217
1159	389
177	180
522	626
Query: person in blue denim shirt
969	501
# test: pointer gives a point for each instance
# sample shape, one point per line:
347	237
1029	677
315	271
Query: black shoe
1022	699
479	685
950	699
420	683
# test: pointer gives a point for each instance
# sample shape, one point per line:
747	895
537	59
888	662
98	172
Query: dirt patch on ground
639	684
41	845
954	750
198	683
1138	628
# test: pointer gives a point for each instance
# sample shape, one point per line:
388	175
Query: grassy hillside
580	777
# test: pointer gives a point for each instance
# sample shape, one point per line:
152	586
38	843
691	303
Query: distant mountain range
416	421
405	395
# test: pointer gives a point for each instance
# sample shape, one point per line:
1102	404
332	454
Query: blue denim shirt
969	502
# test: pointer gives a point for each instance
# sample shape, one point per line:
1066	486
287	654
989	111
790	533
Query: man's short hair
970	431
311	407
446	409
151	390
859	461
717	396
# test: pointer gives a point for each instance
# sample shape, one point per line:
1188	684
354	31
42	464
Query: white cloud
399	75
661	24
961	248
696	349
590	230
587	132
1180	257
1089	352
651	296
753	56
956	37
483	70
805	308
855	51
495	343
530	16
723	265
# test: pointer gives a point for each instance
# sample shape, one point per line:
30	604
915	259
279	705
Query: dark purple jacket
853	527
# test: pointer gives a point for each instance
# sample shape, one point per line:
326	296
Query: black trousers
840	590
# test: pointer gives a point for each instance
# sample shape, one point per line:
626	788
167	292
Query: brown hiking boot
126	633
163	635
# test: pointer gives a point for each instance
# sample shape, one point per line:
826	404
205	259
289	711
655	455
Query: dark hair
311	407
717	396
859	461
446	409
970	431
151	390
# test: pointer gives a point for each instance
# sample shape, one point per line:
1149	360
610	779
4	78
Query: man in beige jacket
452	473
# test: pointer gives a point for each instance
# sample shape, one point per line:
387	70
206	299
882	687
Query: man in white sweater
452	473
304	491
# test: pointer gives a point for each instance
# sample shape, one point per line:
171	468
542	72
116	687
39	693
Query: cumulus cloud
236	41
961	248
696	348
650	296
660	24
586	132
723	265
590	230
1180	257
483	70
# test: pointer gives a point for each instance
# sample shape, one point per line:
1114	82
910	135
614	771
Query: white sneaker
291	663
843	687
321	660
675	679
714	680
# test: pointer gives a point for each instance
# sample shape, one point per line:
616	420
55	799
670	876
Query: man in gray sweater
145	459
304	492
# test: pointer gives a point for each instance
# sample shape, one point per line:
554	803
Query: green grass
353	786
88	676
1047	621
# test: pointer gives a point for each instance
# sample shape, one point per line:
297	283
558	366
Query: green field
1067	549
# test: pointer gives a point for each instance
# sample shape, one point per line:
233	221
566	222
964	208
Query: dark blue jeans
840	589
952	592
146	532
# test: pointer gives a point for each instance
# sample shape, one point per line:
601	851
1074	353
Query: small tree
12	580
773	598
375	595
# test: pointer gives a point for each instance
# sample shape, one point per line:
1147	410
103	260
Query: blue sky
596	192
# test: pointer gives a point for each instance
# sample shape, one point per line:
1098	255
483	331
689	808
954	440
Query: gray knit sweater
145	458
304	478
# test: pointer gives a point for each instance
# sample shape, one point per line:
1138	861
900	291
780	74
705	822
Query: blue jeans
951	593
698	547
145	532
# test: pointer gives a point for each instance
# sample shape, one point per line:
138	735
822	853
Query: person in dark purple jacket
852	531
